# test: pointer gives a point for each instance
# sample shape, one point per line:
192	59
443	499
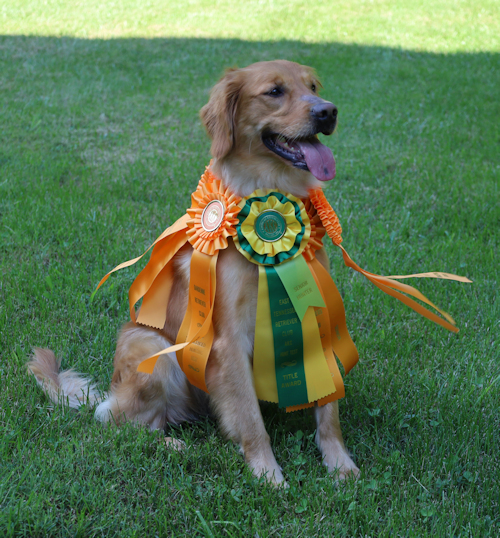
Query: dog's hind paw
174	444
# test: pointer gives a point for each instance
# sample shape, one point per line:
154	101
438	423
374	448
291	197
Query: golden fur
239	111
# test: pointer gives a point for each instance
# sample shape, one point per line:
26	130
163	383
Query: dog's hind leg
154	400
330	442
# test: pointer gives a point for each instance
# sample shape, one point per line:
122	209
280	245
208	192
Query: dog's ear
219	114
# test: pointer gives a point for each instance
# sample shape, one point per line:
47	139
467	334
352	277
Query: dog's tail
67	387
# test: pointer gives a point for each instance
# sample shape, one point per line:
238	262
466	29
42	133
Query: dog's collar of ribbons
280	233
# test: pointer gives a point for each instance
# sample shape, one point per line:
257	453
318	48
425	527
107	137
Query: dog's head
270	112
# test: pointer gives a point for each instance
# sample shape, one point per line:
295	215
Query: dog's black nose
325	117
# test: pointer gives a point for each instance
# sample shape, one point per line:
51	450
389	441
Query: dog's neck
245	176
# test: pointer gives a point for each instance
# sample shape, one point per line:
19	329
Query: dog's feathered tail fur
62	387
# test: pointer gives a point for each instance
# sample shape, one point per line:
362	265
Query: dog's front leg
330	442
233	398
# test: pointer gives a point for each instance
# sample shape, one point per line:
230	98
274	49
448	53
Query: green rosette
272	228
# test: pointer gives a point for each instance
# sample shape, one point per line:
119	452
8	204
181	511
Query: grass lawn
100	147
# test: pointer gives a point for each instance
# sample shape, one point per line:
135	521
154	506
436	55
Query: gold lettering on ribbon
285	322
283	312
304	293
270	226
292	384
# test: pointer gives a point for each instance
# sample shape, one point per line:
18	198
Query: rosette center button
270	226
212	215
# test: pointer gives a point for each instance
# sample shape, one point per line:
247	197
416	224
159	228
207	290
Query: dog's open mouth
306	153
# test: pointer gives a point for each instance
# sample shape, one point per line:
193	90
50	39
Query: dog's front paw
274	477
269	470
341	466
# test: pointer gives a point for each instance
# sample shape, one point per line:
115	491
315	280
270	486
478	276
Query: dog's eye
313	88
276	92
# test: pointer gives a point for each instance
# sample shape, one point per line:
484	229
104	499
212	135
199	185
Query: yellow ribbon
320	367
263	351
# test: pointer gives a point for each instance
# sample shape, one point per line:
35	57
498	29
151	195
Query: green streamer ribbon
288	344
300	285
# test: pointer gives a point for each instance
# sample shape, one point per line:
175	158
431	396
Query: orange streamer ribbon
385	283
180	224
194	339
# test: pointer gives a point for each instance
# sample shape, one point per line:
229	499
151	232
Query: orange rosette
213	215
317	231
327	215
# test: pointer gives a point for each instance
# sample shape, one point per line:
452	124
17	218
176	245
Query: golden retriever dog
263	121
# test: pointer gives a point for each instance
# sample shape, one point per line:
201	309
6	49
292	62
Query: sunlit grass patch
438	26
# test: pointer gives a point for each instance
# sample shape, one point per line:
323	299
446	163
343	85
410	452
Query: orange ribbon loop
341	340
163	252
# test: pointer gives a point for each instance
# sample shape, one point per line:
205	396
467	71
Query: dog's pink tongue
319	159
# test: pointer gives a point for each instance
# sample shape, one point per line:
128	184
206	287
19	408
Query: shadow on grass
105	135
76	84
